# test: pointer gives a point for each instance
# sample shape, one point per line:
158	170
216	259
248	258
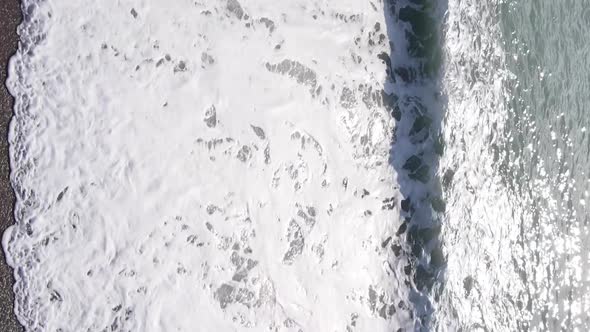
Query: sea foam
203	166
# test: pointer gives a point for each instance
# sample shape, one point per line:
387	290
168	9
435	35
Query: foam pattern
203	166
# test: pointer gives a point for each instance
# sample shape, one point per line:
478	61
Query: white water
480	225
223	166
178	168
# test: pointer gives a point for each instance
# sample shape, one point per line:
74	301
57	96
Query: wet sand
10	17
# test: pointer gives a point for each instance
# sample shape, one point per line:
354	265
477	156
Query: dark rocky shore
10	17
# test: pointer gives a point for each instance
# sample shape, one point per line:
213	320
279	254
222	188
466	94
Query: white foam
173	173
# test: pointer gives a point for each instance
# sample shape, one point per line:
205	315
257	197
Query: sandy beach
11	16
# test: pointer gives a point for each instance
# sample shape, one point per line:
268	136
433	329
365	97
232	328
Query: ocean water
518	151
403	165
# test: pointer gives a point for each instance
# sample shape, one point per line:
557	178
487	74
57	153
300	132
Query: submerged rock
412	163
420	123
422	174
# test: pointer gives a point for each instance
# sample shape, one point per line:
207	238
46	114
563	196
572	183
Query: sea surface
516	75
396	165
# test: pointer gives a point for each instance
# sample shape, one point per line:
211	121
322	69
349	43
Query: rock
427	234
437	258
412	164
391	104
385	58
422	174
402	228
408	269
438	204
423	278
406	204
407	75
386	242
420	123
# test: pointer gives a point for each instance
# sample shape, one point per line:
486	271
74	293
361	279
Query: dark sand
10	17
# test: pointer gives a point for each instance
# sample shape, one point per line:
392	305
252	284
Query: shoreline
11	18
